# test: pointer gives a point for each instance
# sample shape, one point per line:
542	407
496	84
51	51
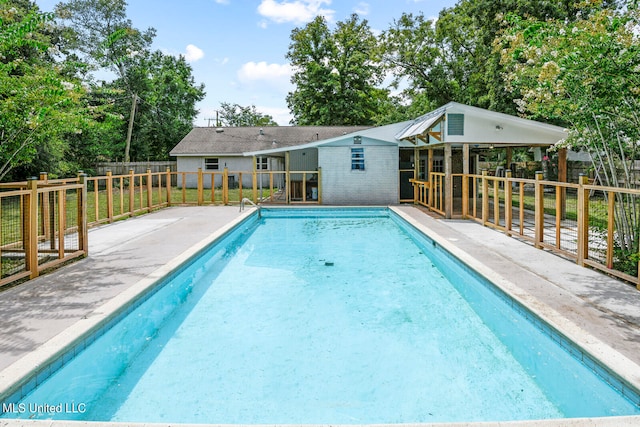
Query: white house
361	165
213	149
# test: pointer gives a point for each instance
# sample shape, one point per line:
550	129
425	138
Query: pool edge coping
599	351
26	369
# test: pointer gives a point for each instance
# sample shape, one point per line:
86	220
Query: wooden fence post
485	197
31	228
255	179
200	186
225	186
508	203
169	187
319	185
48	213
110	195
149	190
583	221
132	192
539	210
83	236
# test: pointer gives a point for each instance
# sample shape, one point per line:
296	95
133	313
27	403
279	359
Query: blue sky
237	48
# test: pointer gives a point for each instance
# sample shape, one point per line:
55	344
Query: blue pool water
322	316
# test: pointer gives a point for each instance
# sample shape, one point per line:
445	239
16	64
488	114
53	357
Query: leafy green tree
453	58
413	56
100	31
337	74
237	115
585	74
41	101
160	87
166	94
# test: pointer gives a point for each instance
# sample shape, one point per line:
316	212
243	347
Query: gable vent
455	124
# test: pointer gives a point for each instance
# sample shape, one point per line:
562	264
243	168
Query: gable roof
376	135
234	141
484	127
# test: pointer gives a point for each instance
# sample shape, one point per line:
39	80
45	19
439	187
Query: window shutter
455	124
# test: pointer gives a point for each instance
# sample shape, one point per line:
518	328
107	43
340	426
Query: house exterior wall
489	129
303	160
377	184
235	165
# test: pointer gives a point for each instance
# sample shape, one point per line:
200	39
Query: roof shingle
238	140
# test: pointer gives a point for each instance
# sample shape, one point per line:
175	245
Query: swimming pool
397	313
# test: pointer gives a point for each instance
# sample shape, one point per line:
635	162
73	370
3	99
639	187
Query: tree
453	58
585	74
41	101
166	94
337	74
101	32
237	115
156	92
413	56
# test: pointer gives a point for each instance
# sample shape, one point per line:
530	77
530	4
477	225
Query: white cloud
222	1
261	71
193	54
298	11
362	8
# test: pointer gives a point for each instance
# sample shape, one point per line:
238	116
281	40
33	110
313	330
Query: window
456	124
211	164
261	163
357	159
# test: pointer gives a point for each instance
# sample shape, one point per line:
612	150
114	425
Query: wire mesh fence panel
73	221
58	224
526	217
12	224
598	229
568	202
491	201
475	208
614	226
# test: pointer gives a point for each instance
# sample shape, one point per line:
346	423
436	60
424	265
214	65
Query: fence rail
593	225
42	225
44	222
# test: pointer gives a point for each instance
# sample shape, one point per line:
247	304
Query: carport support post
416	173
465	180
448	182
429	180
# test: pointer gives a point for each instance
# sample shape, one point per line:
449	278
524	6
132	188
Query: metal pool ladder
246	200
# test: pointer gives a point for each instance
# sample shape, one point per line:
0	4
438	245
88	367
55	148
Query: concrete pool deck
122	254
